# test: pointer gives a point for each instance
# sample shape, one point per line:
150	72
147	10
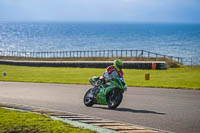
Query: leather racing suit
111	71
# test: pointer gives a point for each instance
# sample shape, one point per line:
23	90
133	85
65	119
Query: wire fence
86	54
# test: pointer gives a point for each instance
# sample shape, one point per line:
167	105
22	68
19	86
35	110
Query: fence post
136	53
112	53
142	53
54	54
74	54
99	53
80	54
65	54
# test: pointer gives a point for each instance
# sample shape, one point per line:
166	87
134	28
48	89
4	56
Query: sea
173	39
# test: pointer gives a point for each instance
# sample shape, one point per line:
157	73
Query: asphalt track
167	109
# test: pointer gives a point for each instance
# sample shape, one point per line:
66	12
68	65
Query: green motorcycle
109	93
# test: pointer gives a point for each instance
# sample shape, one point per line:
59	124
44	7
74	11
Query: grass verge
183	77
21	122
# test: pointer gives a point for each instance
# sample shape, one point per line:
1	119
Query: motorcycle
109	93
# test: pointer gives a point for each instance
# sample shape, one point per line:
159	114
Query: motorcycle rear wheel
114	98
87	100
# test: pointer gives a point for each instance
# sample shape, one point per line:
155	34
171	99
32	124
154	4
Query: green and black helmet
118	64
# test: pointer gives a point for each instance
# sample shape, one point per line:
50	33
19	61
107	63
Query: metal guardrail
191	61
85	54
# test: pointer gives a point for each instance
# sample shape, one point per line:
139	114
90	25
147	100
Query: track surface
166	109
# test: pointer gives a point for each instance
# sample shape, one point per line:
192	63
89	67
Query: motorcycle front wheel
114	98
88	101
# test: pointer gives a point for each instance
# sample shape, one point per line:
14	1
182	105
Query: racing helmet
118	64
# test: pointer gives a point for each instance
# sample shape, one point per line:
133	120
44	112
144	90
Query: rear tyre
114	98
88	101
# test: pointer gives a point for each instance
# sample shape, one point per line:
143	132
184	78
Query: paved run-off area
167	109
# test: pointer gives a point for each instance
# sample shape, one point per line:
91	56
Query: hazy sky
101	10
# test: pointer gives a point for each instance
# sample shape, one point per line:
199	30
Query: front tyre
88	101
114	98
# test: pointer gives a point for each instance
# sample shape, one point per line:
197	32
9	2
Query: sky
181	11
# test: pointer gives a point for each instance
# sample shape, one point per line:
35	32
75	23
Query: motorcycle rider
115	69
111	71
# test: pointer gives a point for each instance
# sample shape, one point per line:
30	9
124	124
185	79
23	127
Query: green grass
183	77
20	122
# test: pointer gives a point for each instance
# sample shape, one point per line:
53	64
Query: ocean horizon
173	39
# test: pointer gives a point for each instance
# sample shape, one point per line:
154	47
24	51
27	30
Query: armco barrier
161	65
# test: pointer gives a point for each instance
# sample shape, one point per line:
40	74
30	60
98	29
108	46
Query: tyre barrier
155	65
